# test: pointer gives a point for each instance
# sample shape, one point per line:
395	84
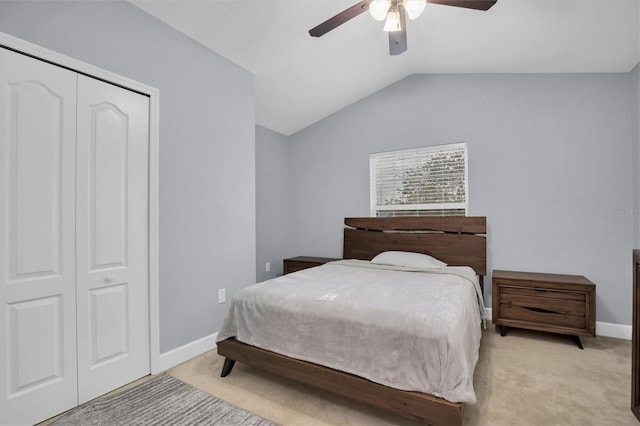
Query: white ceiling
300	79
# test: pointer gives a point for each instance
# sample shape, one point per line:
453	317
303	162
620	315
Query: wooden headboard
454	240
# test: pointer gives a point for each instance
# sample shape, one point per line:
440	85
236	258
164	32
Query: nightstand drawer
530	289
298	266
541	316
559	306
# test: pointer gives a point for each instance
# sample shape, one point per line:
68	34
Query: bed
458	241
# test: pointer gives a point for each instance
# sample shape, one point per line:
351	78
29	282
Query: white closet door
112	230
37	239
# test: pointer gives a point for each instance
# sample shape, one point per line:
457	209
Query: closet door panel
37	239
108	187
112	229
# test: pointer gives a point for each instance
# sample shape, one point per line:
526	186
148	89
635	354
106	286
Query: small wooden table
555	303
299	263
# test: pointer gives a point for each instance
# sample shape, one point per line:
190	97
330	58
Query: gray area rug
163	400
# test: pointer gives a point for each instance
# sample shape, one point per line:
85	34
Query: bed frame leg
227	367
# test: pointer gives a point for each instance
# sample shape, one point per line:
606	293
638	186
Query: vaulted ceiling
300	79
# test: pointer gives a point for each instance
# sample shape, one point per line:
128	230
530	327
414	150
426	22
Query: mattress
411	329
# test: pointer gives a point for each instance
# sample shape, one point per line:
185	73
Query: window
430	181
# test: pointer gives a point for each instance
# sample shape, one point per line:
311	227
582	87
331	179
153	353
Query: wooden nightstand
299	263
555	303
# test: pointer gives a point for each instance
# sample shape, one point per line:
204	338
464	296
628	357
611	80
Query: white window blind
430	181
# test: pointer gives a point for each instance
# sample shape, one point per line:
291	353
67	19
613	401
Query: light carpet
163	400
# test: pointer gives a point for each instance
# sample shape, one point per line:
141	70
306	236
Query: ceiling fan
394	13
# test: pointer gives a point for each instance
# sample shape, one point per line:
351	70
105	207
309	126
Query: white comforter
410	329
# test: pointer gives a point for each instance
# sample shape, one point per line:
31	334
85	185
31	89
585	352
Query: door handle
109	278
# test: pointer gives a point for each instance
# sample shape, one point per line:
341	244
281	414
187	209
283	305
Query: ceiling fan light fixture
414	8
378	9
393	22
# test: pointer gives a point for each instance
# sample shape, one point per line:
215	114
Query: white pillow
407	259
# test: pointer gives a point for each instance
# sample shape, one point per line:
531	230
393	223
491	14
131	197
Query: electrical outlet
222	295
267	266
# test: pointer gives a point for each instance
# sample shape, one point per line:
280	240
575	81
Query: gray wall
635	135
272	202
550	165
207	149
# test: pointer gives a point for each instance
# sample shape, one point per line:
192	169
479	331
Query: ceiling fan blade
339	19
398	39
468	4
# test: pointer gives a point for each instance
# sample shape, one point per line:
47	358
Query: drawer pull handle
540	310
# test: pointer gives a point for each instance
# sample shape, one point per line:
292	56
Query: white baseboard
609	329
186	352
606	329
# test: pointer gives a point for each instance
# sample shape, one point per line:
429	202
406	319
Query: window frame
375	208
